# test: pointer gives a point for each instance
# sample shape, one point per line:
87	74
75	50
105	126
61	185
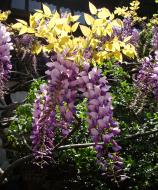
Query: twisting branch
69	135
60	146
85	145
30	156
20	73
140	135
14	165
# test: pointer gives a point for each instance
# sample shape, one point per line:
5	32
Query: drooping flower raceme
102	127
62	83
43	117
5	64
59	93
147	78
154	41
66	80
127	31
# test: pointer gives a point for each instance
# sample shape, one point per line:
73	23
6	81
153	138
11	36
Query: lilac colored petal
115	146
107	138
116	131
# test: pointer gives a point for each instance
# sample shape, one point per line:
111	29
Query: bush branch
60	146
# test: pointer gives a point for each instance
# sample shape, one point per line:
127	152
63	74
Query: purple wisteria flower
126	31
62	75
26	40
102	127
5	64
60	93
154	40
122	32
43	125
129	30
147	78
66	80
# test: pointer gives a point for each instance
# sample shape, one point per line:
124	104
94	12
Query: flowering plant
71	71
96	83
5	48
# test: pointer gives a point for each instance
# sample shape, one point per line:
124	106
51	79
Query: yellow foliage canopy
58	32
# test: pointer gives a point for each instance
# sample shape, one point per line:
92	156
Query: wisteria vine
67	82
102	127
72	76
147	77
5	64
58	94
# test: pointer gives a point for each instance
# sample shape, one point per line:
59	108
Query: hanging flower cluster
54	108
154	41
42	135
71	74
147	78
127	32
102	127
62	76
60	93
66	82
5	65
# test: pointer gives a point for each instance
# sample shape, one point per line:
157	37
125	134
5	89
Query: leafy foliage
107	46
20	128
58	32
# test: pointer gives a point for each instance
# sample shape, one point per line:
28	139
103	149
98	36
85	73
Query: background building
21	8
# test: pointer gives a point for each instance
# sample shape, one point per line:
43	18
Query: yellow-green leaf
38	15
89	19
109	30
117	23
22	22
75	18
127	39
64	40
38	10
17	26
116	46
129	51
48	47
74	27
85	31
36	49
51	23
32	21
56	15
4	15
92	8
23	30
98	22
61	21
30	30
118	56
104	13
46	10
67	28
